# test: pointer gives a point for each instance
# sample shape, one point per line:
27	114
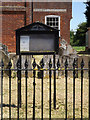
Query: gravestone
5	56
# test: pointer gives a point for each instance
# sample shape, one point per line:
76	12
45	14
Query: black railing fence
20	99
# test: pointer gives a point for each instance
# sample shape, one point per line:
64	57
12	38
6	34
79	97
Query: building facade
18	14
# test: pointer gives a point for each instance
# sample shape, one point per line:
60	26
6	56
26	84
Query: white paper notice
24	43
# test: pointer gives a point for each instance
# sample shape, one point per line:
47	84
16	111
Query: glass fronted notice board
37	38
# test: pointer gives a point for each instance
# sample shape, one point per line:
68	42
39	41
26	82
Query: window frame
53	16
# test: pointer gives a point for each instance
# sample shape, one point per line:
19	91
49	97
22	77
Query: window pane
47	23
50	23
53	19
53	23
50	19
47	19
56	19
56	23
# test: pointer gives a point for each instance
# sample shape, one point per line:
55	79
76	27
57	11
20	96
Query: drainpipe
25	14
32	16
32	11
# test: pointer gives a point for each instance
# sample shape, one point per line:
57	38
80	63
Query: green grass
79	48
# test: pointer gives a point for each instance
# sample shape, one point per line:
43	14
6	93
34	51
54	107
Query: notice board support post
54	97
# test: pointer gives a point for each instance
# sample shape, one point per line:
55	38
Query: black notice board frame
56	42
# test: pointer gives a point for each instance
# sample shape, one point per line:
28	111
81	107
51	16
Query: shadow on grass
7	105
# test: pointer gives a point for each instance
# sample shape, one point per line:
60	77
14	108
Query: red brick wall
13	3
10	23
13	19
64	16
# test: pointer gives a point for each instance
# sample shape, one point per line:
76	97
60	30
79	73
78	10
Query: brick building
19	14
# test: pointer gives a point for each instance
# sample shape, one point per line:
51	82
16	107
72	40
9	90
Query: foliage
87	13
71	37
78	39
79	48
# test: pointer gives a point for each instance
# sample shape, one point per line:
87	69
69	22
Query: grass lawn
79	48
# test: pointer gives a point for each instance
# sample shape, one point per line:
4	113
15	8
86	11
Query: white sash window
53	21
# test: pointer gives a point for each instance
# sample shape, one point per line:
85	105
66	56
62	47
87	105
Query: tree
71	37
87	13
79	36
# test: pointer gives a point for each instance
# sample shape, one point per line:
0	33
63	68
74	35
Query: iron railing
42	69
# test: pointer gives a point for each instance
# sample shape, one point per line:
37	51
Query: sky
78	9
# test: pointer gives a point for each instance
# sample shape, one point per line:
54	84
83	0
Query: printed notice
24	43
